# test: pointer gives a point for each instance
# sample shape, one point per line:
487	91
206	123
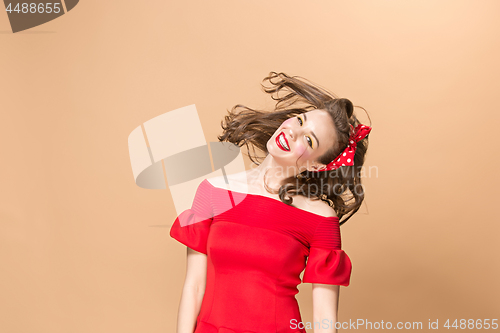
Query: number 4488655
34	8
472	324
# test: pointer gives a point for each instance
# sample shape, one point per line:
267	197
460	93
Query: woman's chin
275	152
268	146
272	149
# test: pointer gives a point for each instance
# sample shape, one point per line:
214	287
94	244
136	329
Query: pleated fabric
256	249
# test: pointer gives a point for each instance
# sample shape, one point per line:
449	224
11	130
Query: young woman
250	235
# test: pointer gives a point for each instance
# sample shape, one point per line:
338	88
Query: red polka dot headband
346	158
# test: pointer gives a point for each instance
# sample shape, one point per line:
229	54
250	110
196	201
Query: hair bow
346	158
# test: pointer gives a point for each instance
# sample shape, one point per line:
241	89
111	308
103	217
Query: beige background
84	249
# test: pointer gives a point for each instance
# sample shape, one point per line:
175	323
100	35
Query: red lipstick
282	142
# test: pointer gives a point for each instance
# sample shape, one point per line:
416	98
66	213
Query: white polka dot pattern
346	158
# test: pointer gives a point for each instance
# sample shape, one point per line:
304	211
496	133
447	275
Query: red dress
256	248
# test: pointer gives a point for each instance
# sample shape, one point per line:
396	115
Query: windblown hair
251	128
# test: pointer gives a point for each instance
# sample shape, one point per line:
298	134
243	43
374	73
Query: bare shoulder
318	207
235	181
217	181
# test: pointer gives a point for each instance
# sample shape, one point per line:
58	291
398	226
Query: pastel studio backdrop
85	249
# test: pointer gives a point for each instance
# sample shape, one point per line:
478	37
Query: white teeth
283	142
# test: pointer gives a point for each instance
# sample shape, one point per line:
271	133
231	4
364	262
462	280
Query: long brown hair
251	128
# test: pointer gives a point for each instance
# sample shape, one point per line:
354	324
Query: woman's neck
270	172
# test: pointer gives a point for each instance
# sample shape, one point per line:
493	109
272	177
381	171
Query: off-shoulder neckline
277	201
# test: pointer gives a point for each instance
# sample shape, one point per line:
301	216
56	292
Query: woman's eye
299	120
309	141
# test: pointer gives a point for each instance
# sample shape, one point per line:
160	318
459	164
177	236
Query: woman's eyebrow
305	118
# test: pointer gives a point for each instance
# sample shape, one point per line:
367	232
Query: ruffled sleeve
327	262
192	226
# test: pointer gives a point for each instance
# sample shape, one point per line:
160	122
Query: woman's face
302	140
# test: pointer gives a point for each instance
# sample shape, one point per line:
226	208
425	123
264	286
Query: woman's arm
325	307
193	291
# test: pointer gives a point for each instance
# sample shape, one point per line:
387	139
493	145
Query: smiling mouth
282	142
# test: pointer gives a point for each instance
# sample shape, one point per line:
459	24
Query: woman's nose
295	132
